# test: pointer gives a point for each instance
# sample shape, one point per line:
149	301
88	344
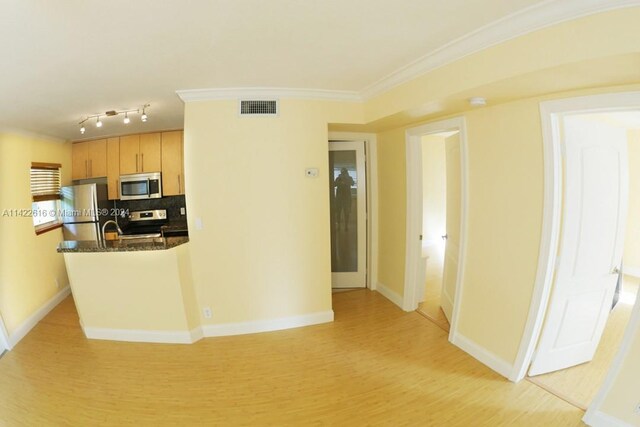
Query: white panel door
348	197
452	248
591	244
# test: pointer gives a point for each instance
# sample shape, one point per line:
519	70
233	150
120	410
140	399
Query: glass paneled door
348	195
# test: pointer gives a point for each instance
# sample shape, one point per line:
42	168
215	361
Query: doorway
436	220
348	213
592	298
440	224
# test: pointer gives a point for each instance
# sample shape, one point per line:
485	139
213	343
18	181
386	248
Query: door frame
551	114
371	171
414	264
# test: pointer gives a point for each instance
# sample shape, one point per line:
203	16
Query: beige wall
264	249
632	237
392	208
504	214
29	264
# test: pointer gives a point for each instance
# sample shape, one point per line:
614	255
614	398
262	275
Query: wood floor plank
375	365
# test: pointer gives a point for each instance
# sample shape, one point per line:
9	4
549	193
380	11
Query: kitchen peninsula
133	290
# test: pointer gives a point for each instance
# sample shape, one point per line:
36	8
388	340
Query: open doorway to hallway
440	223
598	272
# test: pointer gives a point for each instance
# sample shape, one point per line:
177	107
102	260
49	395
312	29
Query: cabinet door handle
142	162
179	186
90	168
136	163
86	168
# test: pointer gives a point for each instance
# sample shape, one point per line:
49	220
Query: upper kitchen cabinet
89	159
172	164
140	153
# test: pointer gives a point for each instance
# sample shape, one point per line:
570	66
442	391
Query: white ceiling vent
258	107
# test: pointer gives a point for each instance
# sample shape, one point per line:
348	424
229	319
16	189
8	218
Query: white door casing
452	247
4	337
591	243
355	279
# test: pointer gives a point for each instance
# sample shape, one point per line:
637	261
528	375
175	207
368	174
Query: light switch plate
198	223
183	211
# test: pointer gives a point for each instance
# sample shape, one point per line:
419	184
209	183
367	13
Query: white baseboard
26	326
390	294
225	329
253	327
134	335
483	355
631	271
600	419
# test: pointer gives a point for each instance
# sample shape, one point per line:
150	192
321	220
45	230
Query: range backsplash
171	203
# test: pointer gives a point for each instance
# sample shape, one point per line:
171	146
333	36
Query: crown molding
536	17
192	95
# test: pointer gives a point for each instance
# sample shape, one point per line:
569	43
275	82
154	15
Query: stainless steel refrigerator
85	208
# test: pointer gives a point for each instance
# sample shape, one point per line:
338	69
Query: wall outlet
199	224
637	409
57	283
183	211
206	312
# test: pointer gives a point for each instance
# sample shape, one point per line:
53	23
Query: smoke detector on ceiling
477	101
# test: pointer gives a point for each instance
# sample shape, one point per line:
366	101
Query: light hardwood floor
580	384
375	365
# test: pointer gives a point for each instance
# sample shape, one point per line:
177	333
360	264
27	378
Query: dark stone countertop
157	244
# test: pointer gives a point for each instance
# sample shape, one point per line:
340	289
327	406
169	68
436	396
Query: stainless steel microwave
141	186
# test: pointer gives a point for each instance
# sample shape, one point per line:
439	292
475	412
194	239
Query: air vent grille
259	107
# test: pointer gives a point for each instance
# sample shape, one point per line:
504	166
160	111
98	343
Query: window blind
45	181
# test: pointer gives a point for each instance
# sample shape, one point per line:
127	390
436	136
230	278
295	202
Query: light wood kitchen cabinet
113	168
129	154
140	153
172	163
150	152
89	159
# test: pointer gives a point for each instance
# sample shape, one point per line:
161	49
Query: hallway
375	365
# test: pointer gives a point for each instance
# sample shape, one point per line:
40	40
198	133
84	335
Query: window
45	191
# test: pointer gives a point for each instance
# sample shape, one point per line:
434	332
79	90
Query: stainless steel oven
141	186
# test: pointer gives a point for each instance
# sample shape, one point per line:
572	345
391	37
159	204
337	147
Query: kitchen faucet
105	226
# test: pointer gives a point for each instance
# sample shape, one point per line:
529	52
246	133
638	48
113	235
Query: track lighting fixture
111	113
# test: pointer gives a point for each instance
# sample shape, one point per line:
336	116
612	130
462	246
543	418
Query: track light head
82	130
98	122
126	120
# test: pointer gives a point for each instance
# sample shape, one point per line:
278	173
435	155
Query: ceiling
64	60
